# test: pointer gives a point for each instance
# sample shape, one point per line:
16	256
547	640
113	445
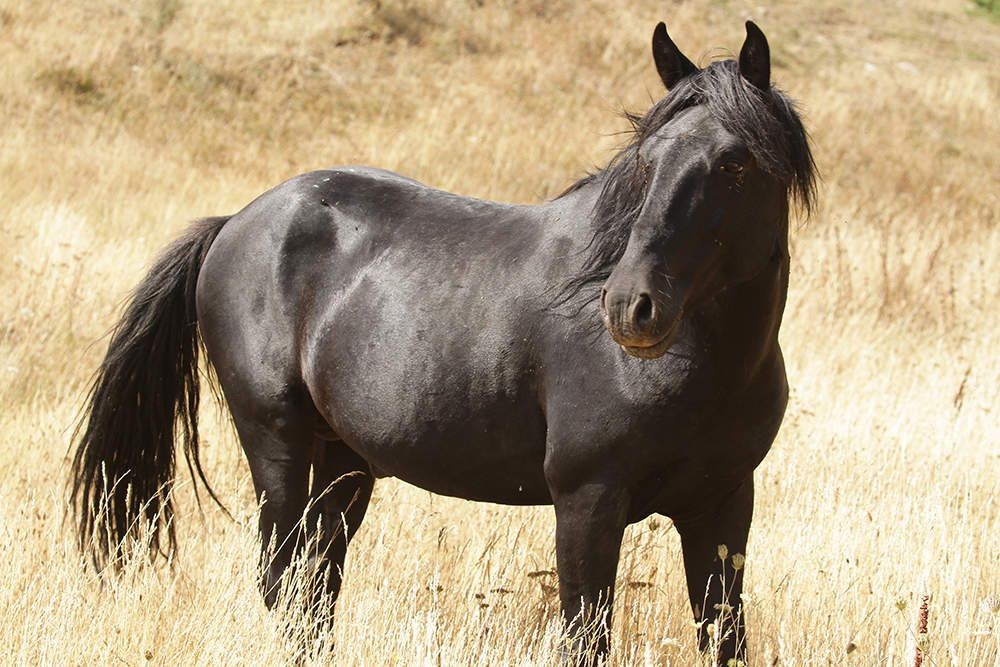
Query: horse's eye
732	167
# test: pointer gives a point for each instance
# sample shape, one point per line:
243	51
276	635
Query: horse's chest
714	450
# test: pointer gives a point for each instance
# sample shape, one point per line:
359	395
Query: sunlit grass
124	121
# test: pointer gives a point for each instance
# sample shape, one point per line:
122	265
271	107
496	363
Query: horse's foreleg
341	487
590	522
714	546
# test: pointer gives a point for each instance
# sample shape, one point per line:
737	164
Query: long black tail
146	386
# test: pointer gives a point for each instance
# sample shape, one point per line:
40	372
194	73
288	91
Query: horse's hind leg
281	442
341	487
277	441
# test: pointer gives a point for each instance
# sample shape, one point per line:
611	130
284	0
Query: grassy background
124	120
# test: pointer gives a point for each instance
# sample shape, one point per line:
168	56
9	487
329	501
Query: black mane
767	122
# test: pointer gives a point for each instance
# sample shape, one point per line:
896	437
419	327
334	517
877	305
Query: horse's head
717	159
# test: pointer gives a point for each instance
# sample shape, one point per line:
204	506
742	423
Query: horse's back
311	237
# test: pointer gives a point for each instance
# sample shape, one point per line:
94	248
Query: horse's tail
147	383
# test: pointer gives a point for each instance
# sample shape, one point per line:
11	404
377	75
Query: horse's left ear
755	58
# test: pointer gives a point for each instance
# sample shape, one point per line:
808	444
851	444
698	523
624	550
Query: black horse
364	325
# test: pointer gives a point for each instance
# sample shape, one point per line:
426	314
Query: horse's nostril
604	295
642	310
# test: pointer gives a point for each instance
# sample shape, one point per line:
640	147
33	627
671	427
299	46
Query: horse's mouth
654	351
657	349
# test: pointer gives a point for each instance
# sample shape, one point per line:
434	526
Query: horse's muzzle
639	323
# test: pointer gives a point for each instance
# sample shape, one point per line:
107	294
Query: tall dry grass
124	120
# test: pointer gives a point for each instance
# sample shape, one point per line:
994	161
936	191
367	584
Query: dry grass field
121	121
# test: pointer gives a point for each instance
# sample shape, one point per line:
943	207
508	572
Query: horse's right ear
670	62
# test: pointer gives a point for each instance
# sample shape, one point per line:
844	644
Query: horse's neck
571	215
742	322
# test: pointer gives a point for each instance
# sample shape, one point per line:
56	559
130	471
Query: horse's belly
482	457
477	466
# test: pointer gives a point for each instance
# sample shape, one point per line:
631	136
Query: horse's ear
670	62
755	58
